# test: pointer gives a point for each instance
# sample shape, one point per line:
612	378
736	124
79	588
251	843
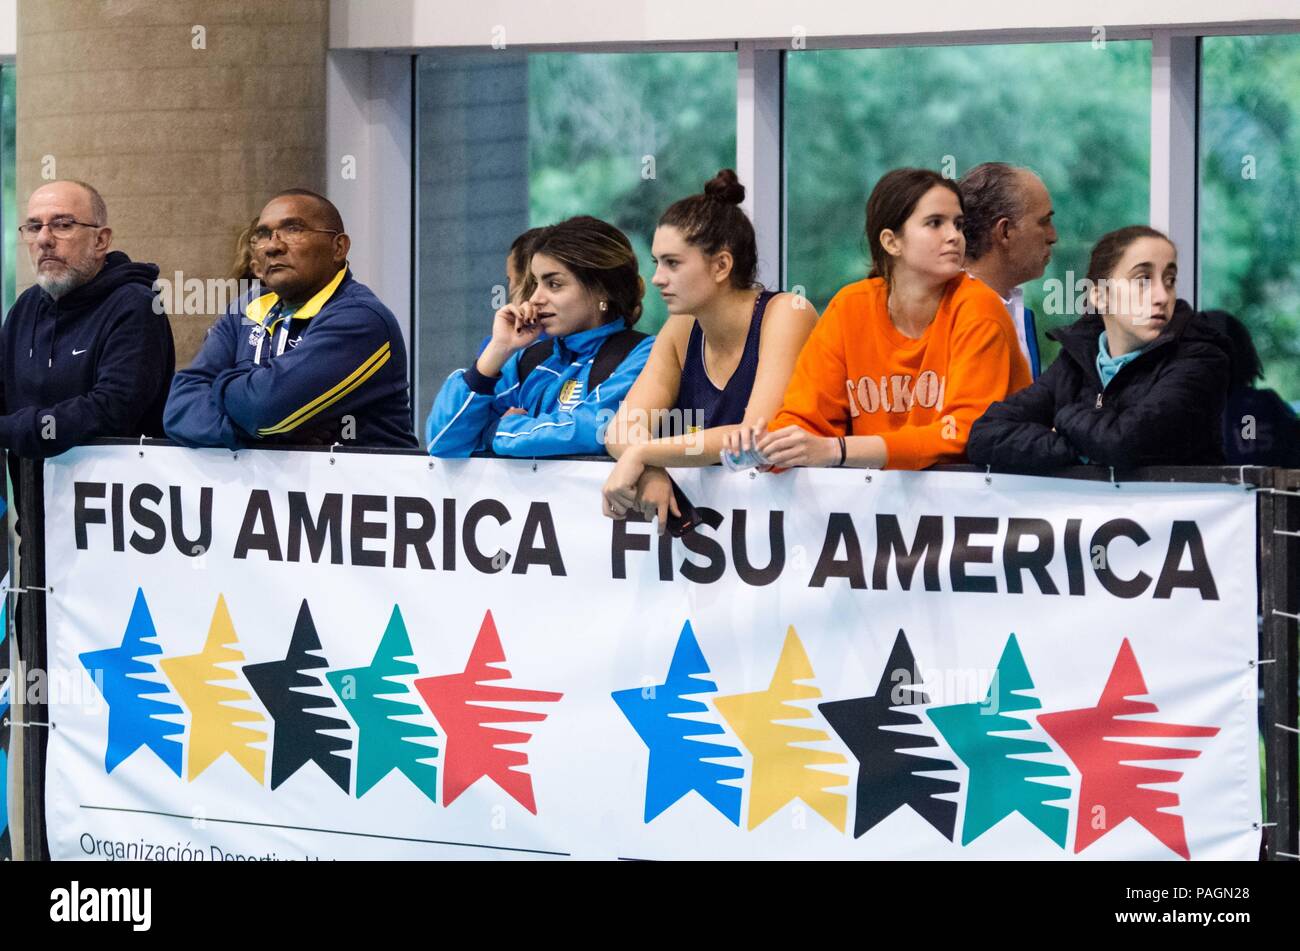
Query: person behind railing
1259	428
519	275
1137	382
903	362
318	360
245	270
519	279
84	353
244	267
522	397
1009	238
723	359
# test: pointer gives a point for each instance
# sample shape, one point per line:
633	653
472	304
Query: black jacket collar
1081	338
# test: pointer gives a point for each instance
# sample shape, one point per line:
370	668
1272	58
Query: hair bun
725	187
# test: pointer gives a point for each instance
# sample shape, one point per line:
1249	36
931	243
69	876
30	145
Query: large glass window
1249	206
509	141
9	206
1076	113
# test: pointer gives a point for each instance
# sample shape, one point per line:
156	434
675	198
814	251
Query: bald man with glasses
319	360
84	353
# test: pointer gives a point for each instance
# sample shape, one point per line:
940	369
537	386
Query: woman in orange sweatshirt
902	364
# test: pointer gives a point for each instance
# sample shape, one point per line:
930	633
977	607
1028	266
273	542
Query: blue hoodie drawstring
54	332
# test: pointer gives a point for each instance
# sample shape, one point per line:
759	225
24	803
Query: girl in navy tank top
723	358
699	397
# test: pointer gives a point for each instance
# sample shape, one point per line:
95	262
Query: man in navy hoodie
319	360
83	353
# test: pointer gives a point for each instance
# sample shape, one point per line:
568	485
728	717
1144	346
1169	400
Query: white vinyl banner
292	655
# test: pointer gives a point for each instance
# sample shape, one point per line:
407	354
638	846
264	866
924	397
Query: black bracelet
844	452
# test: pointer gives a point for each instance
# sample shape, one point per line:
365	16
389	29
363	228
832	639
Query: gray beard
65	283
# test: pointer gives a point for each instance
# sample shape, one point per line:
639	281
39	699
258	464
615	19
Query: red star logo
1114	787
462	705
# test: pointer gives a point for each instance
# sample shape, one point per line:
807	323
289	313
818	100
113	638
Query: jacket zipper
1120	372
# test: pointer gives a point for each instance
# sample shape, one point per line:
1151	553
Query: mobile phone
679	525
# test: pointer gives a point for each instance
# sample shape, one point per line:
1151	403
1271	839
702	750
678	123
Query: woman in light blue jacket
527	398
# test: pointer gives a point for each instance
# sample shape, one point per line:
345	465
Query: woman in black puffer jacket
1138	381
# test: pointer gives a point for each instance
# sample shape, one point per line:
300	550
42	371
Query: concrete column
185	115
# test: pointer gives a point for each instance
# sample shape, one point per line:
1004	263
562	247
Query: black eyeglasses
289	234
59	227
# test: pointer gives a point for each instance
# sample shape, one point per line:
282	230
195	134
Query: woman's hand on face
515	326
619	496
794	446
655	495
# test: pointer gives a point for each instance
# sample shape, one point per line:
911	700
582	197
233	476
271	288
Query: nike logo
77	353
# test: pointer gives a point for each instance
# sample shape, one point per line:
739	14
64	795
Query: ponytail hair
713	221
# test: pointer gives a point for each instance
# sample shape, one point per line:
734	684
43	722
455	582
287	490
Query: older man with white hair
83	353
1009	238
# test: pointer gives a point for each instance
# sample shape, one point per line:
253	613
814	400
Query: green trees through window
1250	194
1079	114
623	135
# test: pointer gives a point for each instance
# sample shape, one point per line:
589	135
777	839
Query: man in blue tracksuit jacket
555	412
84	353
319	360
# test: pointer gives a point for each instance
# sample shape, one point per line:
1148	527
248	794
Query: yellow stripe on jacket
335	393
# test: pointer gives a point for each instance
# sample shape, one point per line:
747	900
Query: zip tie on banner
988	475
1263	825
1279	531
30	587
534	465
1289	729
24	724
1112	477
332	459
1294	617
142	446
1262	661
1287	855
1271	491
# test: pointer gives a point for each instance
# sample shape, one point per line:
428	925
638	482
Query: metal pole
32	644
1279	587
